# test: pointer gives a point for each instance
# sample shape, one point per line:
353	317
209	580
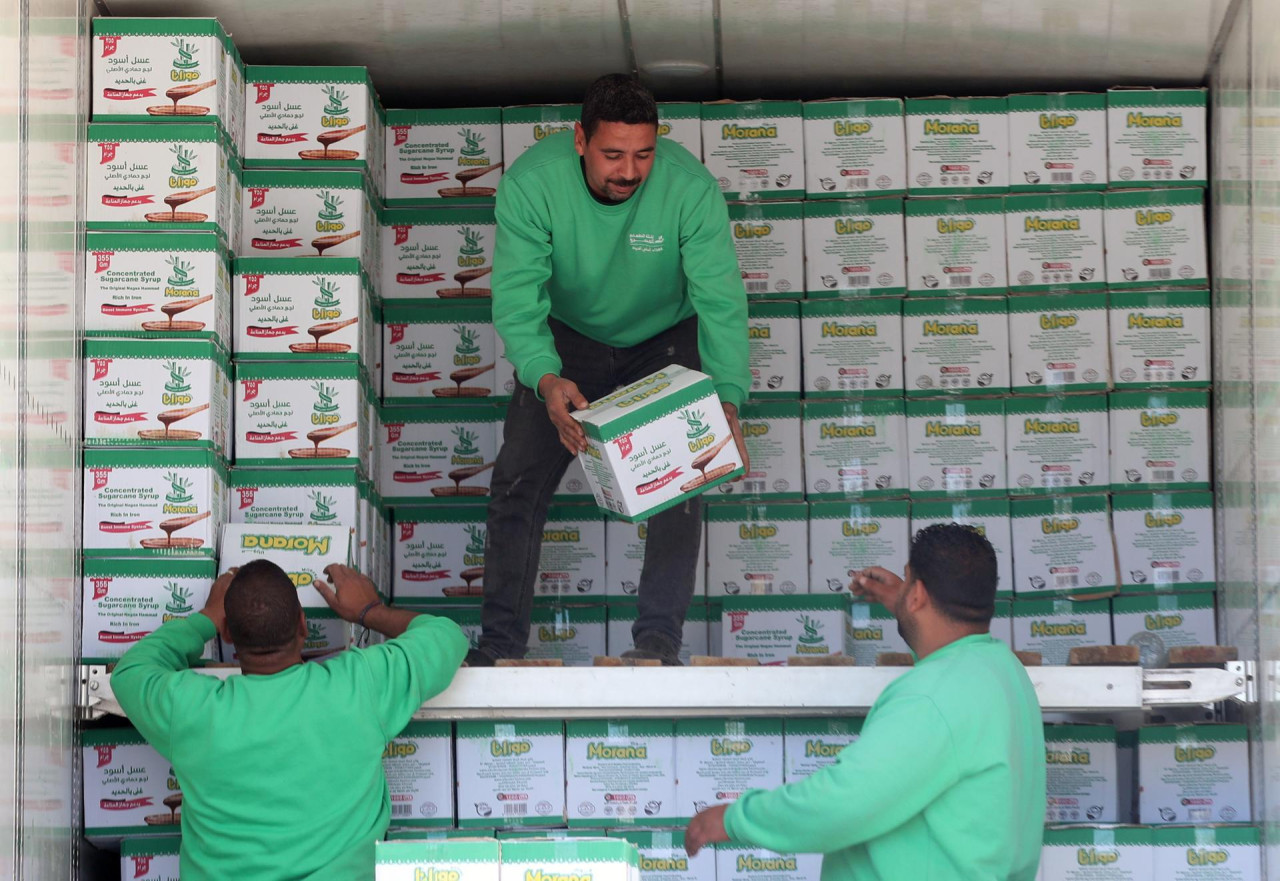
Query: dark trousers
528	470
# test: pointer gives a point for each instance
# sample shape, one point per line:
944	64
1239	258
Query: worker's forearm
388	621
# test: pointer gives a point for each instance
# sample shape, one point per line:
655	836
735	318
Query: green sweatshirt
618	274
282	775
946	781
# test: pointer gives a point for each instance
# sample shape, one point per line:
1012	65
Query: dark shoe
655	646
477	658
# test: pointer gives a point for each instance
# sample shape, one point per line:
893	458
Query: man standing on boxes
613	259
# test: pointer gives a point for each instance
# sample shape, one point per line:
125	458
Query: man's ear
917	597
580	139
224	632
302	625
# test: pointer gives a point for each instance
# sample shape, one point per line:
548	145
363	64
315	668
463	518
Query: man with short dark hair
947	779
281	767
612	260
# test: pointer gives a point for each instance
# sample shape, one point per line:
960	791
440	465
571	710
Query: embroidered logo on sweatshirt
646	242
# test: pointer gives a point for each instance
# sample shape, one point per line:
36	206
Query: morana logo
315	636
183	174
330	217
752	863
472	152
697	432
811	642
732	132
325	410
310	545
180	282
465	451
1067	757
1040	426
179	499
185	63
179	600
1139	321
759	332
933	327
473	554
472	252
1049	628
835	329
323	511
1138	119
940	127
335	113
607	751
326	305
467	352
943	429
1047	224
177	391
836	431
819	749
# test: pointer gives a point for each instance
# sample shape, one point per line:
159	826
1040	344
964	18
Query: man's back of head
263	613
957	565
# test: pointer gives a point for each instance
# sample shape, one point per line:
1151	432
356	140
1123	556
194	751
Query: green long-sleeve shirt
282	775
618	274
946	782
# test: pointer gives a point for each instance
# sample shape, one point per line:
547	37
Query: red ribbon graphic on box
624	445
270	437
264	92
406	531
436	575
275	244
415	378
111	527
414	476
105	754
414	278
127	201
246	496
108	636
402	234
393	431
737	620
100	367
402	134
657	483
258	196
108	151
125	804
103	417
137	309
127	94
250	388
141	866
109	44
264	138
270	332
252	283
100	586
411	178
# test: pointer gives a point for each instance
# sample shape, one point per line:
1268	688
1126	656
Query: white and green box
695	634
233	76
774	629
312	497
855	248
1155	239
321	117
156	393
158	178
1193	774
771	430
854	147
620	772
429	352
1080	767
439	554
956	448
990	517
573	486
873	631
847	537
1002	621
1159	440
1117	853
755	548
436	454
755	149
1054	242
310	412
773	348
302	308
467	618
769	241
571	559
663	857
1057	141
1157	137
1057	445
718	760
956	346
174	286
525	125
852	347
1157	623
809	745
308	213
126	599
1160	338
1164	541
423	835
418	763
574	635
303	552
150	859
957	145
601	859
624	558
153	503
413	860
956	246
510	773
855	449
1053	627
1207	853
1062	545
657	442
681	121
433	155
129	788
742	862
436	252
1058	343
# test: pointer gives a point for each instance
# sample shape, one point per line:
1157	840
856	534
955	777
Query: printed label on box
769	240
956	448
1058	343
773	349
510	774
1080	766
717	760
956	346
755	149
855	449
1054	242
956	246
1062	545
757	548
1156	137
419	768
1054	627
847	537
1193	774
852	347
855	247
1057	141
1159	440
957	145
854	147
1160	339
620	773
1058	445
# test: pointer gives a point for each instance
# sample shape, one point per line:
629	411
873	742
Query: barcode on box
753	487
858	281
1061	581
961	281
402	810
1167	576
515	809
1061	377
1160	474
757	287
1160	272
1061	177
861	183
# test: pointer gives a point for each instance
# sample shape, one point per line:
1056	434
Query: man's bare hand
878	585
215	606
350	594
706	828
735	428
562	396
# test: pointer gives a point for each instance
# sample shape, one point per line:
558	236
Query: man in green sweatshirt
612	260
281	767
947	780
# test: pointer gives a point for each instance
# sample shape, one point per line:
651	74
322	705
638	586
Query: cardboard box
436	252
418	763
809	745
156	393
233	76
854	147
575	635
681	121
1080	767
284	497
1074	852
153	502
746	863
415	834
306	308
1159	440
1193	774
694	635
525	125
309	213
990	517
1058	445
1165	541
1055	627
303	552
129	788
754	149
175	286
620	772
872	631
1157	137
657	442
847	537
855	449
467	619
1062	545
1058	343
1160	339
1211	853
310	412
663	857
1155	239
510	773
956	246
757	548
774	629
315	117
1054	243
957	145
602	859
956	448
718	760
432	454
769	240
771	430
125	600
1127	771
476	860
150	859
1156	624
852	347
855	247
956	346
571	559
429	353
1057	141
1002	621
439	554
436	154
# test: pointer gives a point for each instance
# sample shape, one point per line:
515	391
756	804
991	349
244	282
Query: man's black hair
617	97
958	567
262	608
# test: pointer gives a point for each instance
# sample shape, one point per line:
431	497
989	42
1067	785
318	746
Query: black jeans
528	470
